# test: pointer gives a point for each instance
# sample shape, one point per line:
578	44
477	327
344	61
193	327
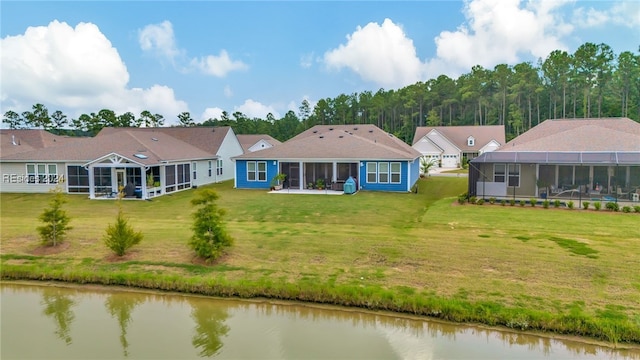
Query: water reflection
120	307
209	327
108	323
57	305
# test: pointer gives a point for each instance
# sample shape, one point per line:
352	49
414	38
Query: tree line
591	82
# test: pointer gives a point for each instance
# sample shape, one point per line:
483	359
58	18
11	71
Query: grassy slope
557	261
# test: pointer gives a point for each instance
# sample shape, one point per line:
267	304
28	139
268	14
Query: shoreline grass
551	270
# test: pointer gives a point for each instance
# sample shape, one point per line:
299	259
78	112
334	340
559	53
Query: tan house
564	158
446	146
147	162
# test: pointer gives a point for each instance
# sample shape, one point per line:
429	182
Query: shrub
522	203
479	201
570	205
636	208
121	236
597	205
613	206
462	198
533	202
492	200
209	235
503	202
556	203
585	205
472	200
545	203
55	219
626	209
512	202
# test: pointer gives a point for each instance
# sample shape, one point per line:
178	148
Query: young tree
209	235
121	236
55	219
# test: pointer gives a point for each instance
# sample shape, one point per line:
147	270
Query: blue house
327	155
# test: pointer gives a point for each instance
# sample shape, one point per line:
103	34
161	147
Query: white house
448	145
146	161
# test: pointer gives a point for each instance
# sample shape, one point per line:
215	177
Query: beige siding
14	178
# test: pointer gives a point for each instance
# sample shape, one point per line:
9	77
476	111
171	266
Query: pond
45	321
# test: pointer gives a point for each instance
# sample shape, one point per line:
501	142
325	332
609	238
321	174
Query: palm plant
425	166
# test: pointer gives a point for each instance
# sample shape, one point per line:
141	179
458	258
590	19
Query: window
77	179
102	179
372	172
471	141
42	173
395	173
256	170
514	175
170	177
219	167
210	167
193	168
183	180
383	172
499	171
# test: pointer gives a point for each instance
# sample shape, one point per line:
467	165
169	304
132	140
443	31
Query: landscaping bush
512	202
523	203
585	205
626	209
636	208
613	206
545	203
503	202
462	198
479	201
570	205
556	203
533	202
472	200
597	205
492	200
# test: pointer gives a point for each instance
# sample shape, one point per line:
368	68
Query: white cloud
76	70
159	38
227	91
625	13
499	31
211	113
306	60
218	66
379	53
253	109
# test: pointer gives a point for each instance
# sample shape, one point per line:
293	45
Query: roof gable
458	135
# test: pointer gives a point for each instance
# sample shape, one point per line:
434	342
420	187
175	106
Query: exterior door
121	178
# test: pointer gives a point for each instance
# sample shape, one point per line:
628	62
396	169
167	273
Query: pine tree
121	236
209	235
55	219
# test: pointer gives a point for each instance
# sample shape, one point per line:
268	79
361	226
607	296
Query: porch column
92	183
334	172
301	173
143	181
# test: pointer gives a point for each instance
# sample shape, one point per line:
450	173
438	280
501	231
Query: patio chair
622	194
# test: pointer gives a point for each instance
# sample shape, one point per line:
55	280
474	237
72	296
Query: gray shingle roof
335	142
604	134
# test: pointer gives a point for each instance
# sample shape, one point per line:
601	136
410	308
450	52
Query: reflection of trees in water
120	306
57	305
210	326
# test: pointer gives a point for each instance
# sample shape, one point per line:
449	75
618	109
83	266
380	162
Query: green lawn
554	261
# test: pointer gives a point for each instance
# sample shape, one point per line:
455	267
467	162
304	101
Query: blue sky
266	56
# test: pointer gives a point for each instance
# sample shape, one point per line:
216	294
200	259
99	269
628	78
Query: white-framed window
77	179
256	171
42	174
395	172
514	175
499	173
210	168
372	172
219	167
193	169
471	141
383	172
